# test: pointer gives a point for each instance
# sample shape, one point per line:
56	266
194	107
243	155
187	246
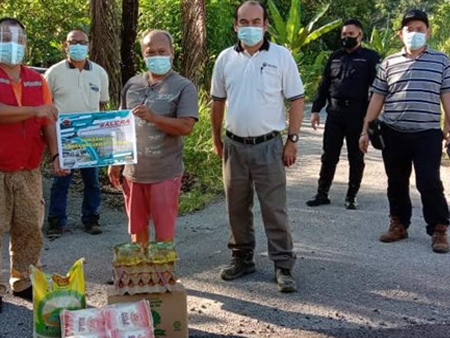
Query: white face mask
414	40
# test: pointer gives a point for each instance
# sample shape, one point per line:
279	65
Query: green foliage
440	21
201	163
47	23
385	42
291	33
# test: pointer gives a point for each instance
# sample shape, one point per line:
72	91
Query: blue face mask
414	40
250	36
11	53
158	65
78	52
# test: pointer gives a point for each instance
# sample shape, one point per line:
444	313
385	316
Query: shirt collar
265	46
426	50
87	65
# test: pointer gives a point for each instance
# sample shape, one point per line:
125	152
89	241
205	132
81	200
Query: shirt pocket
93	89
270	80
335	70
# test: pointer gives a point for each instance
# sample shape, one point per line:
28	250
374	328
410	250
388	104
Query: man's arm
322	95
374	110
14	114
295	122
217	114
445	99
49	132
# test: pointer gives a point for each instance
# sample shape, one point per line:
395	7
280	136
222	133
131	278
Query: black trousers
424	151
342	123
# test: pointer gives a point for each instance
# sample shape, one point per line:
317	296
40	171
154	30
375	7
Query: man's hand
46	111
144	113
364	143
218	146
58	170
315	120
289	153
114	175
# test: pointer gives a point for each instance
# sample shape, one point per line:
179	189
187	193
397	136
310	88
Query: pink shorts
156	201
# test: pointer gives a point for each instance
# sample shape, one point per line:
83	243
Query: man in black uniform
345	84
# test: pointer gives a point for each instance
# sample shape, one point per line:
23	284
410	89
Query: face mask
158	65
11	53
78	52
349	42
250	36
414	40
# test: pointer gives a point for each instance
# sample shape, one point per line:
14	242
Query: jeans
423	150
91	198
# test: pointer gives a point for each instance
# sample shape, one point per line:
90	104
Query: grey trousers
250	168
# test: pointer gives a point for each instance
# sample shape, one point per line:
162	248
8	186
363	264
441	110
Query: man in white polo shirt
77	85
252	79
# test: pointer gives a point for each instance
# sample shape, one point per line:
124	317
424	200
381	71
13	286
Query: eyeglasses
78	42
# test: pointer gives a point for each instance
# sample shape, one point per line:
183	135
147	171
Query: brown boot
395	233
439	239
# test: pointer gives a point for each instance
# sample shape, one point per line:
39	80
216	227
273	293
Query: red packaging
82	322
129	316
141	333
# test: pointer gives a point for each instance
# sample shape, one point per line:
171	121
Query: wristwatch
293	138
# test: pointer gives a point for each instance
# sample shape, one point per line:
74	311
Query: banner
96	139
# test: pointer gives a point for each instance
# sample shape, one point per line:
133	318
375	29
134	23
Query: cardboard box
169	310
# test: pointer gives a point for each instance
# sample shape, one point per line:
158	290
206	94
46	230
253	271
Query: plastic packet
51	294
129	254
128	316
82	322
141	333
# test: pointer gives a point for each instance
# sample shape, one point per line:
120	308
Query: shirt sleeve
324	88
104	90
446	77
380	85
292	83
47	98
188	102
218	87
374	67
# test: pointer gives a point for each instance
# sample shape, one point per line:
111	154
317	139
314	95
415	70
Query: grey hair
165	33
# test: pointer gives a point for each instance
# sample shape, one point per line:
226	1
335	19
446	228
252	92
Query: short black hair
264	8
12	21
354	22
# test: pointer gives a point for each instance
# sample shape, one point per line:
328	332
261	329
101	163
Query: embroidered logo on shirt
94	87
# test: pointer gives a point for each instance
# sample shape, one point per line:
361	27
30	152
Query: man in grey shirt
165	106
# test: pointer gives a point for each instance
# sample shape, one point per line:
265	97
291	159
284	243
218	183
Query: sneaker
350	203
319	199
26	294
238	267
92	227
439	239
285	281
54	229
396	232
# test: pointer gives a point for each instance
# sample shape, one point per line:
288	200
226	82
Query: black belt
344	102
252	140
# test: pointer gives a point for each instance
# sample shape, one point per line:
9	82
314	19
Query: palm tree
130	10
104	46
194	38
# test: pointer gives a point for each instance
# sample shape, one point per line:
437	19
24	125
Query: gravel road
350	284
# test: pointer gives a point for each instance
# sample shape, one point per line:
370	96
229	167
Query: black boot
350	203
93	227
241	264
319	199
54	229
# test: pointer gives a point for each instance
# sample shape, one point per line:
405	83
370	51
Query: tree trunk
130	10
194	39
104	46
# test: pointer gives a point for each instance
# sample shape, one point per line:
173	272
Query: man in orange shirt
27	125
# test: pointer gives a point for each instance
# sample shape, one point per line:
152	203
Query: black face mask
349	42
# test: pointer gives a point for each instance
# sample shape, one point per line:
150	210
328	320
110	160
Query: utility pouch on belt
376	134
